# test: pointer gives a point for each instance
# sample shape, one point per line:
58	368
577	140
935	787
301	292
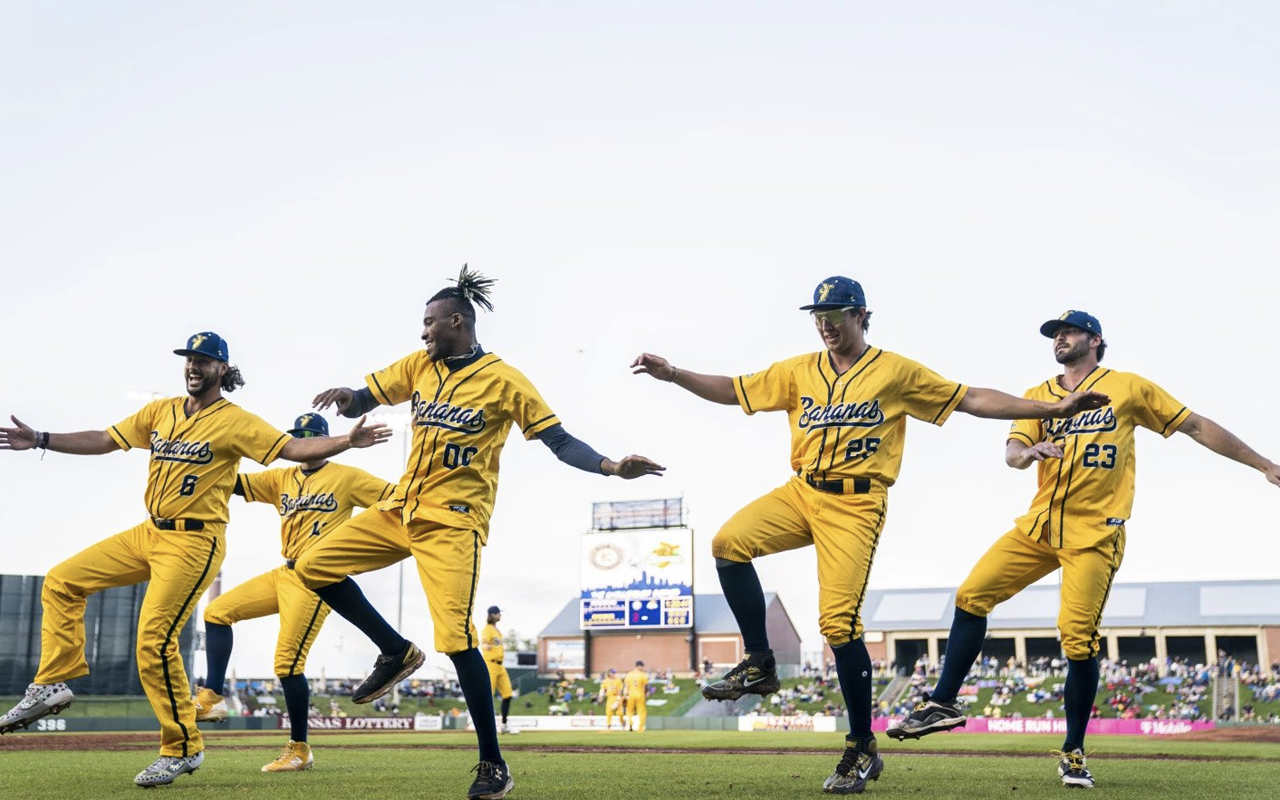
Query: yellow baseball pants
613	708
180	565
499	679
448	562
636	707
843	528
276	592
1016	561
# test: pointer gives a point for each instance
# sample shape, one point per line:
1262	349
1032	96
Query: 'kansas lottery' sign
637	579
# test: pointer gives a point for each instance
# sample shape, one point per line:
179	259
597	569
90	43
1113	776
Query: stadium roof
1181	604
710	615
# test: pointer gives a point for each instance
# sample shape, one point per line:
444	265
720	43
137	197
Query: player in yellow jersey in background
847	405
636	688
312	498
1085	477
196	443
492	649
463	402
611	696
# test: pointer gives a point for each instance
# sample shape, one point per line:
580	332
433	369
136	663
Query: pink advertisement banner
1137	727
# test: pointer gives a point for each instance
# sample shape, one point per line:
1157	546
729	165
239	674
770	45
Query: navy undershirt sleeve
362	402
571	450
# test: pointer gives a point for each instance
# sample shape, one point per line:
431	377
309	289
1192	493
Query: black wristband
42	440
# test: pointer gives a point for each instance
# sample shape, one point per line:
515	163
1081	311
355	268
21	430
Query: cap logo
1065	314
197	340
304	420
825	290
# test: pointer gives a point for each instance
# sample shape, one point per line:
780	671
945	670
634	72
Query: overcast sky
670	177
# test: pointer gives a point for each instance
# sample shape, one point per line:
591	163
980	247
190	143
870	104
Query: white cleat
166	770
40	700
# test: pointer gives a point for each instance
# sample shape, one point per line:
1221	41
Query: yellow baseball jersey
612	687
851	425
194	459
1084	496
312	504
461	418
635	682
491	644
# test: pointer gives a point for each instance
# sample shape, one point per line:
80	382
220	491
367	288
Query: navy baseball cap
639	663
208	344
312	424
494	610
836	292
1080	319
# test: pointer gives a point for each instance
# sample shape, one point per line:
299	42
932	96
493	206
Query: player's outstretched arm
1019	456
716	388
1225	443
632	467
318	448
82	443
994	404
351	403
577	453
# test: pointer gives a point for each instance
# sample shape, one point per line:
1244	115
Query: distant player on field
848	406
636	687
195	443
1076	523
494	652
312	498
611	696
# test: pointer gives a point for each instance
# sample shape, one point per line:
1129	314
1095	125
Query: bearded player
1076	523
847	405
464	401
312	498
196	443
494	652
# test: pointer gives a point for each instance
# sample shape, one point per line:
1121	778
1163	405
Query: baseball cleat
295	757
929	716
1072	770
166	770
210	706
755	675
492	781
40	700
387	672
860	763
510	730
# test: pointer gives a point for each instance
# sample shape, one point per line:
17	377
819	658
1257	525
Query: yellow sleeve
394	384
926	395
262	487
257	440
136	430
526	406
770	390
1028	431
1155	409
366	490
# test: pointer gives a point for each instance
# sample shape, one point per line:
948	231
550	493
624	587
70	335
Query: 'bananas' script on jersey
866	414
435	414
325	501
177	450
1097	421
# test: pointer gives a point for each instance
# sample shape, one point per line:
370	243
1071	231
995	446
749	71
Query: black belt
178	524
847	486
289	562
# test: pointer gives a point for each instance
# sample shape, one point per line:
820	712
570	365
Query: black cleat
387	672
929	716
755	675
860	763
1071	769
492	781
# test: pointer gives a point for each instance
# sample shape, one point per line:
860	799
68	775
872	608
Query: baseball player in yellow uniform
611	696
1085	476
636	686
196	443
847	405
463	402
312	498
494	651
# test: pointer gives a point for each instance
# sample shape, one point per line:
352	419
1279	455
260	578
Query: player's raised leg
771	524
117	561
1012	563
368	541
252	599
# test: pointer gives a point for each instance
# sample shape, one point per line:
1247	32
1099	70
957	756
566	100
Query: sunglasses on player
833	316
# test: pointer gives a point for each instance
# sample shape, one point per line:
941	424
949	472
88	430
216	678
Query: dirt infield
144	741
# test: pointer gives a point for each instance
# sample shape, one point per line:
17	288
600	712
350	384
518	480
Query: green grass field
658	764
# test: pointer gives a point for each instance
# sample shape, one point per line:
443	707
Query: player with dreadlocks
463	402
